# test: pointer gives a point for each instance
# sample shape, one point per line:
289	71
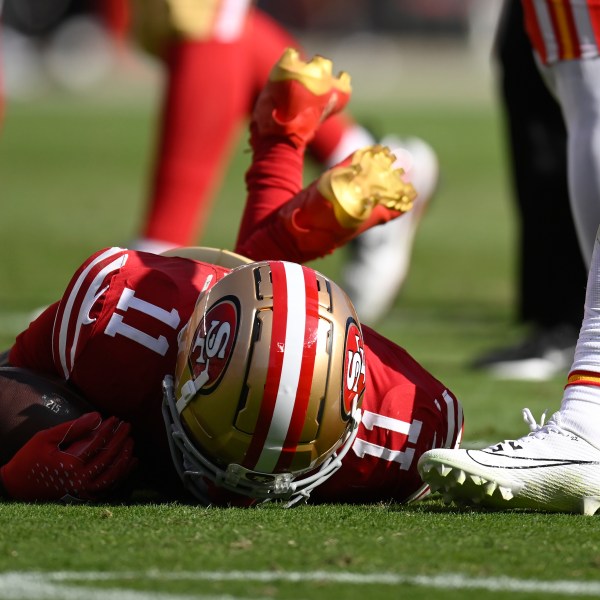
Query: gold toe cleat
315	75
298	97
369	180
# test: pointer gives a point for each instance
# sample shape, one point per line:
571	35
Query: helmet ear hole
269	379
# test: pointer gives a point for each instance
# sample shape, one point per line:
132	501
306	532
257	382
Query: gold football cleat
368	180
299	96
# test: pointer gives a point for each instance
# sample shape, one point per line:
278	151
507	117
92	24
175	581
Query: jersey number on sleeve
129	302
404	457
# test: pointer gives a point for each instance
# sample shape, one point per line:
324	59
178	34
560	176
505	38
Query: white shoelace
533	425
541	429
536	430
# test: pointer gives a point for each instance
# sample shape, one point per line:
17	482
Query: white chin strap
195	470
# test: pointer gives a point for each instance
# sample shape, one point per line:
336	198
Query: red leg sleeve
205	104
282	221
274	177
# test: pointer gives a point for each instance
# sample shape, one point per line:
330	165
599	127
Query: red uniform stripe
594	13
583	378
533	29
64	337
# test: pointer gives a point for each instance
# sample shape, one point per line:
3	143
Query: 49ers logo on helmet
214	340
353	385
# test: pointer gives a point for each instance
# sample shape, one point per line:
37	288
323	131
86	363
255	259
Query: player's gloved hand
79	459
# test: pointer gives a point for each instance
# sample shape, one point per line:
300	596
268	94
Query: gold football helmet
268	385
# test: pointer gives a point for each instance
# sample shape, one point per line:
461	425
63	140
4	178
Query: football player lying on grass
238	376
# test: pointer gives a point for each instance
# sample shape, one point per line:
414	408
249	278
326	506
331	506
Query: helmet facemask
194	469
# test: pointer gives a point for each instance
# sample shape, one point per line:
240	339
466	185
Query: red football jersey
114	335
405	412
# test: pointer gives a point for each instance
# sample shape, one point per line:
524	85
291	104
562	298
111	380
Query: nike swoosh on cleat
532	463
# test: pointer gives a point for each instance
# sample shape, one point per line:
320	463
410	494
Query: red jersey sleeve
117	325
114	332
405	412
33	347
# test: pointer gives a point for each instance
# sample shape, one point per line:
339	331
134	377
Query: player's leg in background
550	271
578	88
379	259
207	92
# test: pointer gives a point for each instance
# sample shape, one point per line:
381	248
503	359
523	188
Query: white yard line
54	585
37	586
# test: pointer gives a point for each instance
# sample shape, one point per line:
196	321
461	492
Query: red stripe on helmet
278	335
306	373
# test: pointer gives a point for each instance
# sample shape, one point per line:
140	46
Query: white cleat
489	488
506	493
380	257
477	480
460	476
590	505
443	470
550	469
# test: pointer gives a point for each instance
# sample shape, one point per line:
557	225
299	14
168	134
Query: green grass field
72	180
